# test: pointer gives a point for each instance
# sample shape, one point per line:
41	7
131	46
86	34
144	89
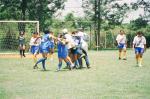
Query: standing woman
22	43
122	42
139	45
35	42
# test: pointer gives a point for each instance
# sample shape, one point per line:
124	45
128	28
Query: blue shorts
77	51
63	55
34	49
139	50
44	49
51	45
121	45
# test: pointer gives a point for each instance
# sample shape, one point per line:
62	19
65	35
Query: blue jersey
45	44
62	50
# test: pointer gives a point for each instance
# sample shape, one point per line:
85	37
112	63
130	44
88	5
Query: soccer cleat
35	67
140	65
57	70
124	58
24	55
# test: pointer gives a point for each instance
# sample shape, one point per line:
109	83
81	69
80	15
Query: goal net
9	34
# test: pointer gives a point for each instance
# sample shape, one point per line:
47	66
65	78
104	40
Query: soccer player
122	42
35	42
139	45
44	48
22	43
70	43
83	46
62	51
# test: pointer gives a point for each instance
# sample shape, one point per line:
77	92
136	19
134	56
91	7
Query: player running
35	42
139	45
44	48
122	42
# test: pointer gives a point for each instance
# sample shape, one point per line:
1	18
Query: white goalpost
37	23
9	33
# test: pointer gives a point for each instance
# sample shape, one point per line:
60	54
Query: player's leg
140	56
137	56
68	63
86	58
20	50
124	54
23	50
44	57
59	64
120	53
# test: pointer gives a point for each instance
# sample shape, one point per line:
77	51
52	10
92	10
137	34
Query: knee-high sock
59	65
76	63
80	62
23	51
87	60
43	63
140	60
68	64
124	54
120	54
35	59
40	60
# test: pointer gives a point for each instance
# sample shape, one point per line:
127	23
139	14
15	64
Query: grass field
108	78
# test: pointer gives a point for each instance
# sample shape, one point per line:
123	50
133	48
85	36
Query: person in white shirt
35	42
122	42
139	45
70	43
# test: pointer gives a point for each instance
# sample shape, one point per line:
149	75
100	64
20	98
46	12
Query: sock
43	63
140	61
80	62
35	59
40	60
59	65
119	54
68	64
87	60
124	55
21	52
76	63
137	60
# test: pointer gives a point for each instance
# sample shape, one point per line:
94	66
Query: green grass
108	78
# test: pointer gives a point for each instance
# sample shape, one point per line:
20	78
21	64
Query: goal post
37	23
9	33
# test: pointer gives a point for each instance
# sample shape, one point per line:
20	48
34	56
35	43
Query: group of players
139	46
71	47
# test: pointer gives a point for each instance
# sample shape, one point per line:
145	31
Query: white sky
75	7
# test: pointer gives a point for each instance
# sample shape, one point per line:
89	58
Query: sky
75	7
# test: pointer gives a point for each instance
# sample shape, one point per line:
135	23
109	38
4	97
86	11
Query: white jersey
83	42
121	39
70	41
35	41
139	41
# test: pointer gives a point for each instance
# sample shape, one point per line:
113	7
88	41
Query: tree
138	24
108	14
41	10
145	5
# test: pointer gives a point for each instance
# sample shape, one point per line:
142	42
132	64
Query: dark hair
21	33
139	33
35	32
46	32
